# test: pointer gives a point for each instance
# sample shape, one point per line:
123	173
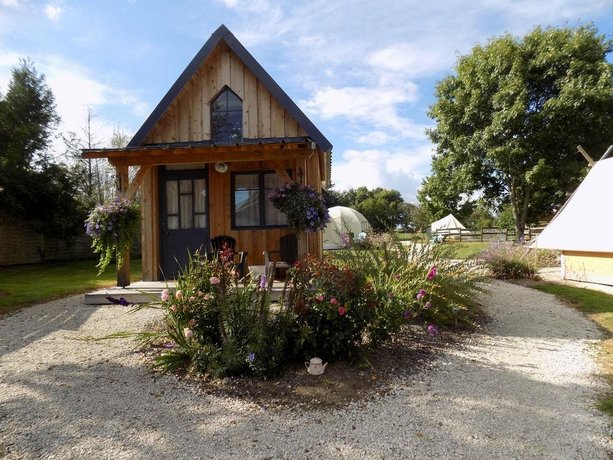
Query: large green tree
32	187
509	118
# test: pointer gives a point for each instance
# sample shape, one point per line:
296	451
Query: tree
510	117
33	187
27	120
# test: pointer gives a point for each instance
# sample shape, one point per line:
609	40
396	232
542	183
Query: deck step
147	291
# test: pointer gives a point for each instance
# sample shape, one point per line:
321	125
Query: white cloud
376	106
375	138
410	59
53	12
10	3
400	170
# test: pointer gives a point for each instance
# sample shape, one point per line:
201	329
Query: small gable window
227	117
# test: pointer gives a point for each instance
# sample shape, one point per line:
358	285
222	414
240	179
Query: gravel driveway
524	388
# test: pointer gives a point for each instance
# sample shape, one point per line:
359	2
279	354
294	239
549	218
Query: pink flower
421	294
341	310
427	305
214	280
208	296
179	295
432	273
165	295
432	330
191	322
188	333
173	308
319	297
192	298
408	314
333	301
200	294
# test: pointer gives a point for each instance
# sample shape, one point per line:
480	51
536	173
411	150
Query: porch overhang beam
198	154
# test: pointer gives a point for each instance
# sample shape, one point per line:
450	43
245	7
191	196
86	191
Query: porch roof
206	152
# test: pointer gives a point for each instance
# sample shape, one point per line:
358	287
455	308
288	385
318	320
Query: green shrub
510	261
398	273
333	307
221	327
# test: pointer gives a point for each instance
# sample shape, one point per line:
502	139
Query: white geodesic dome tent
343	221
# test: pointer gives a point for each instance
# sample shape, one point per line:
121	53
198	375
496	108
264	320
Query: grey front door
183	218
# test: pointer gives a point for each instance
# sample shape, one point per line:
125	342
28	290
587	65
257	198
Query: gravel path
522	389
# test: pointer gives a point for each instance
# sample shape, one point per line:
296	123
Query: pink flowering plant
112	227
333	308
218	325
415	285
304	207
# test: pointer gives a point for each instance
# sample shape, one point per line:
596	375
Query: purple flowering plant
112	227
304	207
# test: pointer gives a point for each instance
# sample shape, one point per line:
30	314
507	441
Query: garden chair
288	254
224	242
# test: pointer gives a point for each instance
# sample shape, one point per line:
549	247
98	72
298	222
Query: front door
183	218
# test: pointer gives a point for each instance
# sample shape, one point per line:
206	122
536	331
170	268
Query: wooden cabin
220	140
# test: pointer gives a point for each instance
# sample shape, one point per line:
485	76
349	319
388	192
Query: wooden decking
147	291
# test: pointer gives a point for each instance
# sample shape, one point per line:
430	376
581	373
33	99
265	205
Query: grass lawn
598	306
468	249
31	284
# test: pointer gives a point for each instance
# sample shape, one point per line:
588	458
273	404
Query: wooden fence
486	234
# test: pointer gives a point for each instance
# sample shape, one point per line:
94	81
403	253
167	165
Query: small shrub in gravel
514	261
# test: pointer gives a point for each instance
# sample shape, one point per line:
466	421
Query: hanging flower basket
304	207
112	227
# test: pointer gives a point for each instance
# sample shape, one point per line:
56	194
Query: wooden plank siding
188	118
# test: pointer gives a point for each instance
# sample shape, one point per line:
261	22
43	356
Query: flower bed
218	325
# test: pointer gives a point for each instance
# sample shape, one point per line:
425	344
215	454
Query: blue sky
364	71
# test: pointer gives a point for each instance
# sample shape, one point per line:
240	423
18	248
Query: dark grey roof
223	34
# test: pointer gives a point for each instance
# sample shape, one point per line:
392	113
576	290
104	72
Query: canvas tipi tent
446	225
582	228
343	221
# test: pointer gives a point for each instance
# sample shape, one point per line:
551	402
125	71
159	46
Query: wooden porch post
123	273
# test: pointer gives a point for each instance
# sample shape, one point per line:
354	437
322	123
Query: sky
363	71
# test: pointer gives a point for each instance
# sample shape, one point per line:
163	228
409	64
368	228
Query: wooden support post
586	155
123	273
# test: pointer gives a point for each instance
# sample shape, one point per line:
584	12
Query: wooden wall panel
188	117
250	105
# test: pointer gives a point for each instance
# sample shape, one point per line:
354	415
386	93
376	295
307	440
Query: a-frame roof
223	34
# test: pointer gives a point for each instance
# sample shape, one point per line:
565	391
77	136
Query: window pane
247	208
227	118
235	126
172	197
185	186
186	211
200	195
271	180
246	182
233	102
173	222
273	215
200	221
